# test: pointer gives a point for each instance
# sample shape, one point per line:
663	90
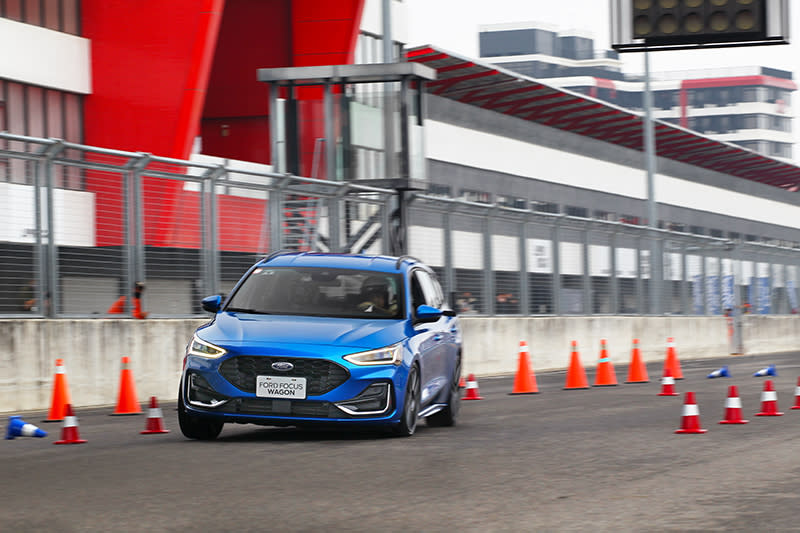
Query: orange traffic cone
769	401
69	431
605	375
525	380
733	407
576	375
462	383
155	420
60	394
690	421
672	361
126	400
637	371
667	384
472	389
797	395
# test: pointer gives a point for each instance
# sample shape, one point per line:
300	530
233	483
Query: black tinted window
320	292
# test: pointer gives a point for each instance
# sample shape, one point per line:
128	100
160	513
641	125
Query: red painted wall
150	66
165	71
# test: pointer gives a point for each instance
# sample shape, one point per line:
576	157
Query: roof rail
276	253
405	258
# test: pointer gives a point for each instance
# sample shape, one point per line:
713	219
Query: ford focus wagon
324	339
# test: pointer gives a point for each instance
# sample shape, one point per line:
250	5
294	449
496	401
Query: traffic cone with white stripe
69	431
17	427
60	397
797	395
733	407
690	420
637	371
127	403
605	375
671	361
155	420
667	384
472	389
769	401
576	374
525	379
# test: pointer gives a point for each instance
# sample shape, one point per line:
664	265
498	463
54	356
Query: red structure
167	72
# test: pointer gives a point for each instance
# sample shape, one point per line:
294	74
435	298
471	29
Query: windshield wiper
244	310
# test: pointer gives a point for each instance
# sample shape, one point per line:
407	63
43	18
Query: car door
433	337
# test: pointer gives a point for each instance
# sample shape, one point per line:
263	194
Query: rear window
327	292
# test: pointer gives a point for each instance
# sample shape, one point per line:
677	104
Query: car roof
378	263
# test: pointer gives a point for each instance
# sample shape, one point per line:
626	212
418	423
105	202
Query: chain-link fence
82	225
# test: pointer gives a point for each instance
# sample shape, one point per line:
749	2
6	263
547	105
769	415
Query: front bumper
345	393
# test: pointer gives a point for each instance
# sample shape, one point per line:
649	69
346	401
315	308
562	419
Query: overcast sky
453	26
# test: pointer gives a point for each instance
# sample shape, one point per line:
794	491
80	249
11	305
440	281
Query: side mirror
212	303
426	313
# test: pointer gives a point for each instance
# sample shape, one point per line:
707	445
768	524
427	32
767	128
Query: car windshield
313	291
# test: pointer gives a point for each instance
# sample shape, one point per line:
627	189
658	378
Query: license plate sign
288	388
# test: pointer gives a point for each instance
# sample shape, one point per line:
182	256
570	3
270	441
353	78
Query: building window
511	201
475	196
544	207
575	211
436	189
604	215
715	233
674	226
697	230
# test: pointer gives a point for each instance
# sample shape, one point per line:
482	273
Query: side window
417	294
430	290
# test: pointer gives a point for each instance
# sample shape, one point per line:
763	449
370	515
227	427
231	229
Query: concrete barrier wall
92	349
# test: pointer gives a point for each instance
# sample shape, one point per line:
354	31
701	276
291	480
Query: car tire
447	416
408	419
196	428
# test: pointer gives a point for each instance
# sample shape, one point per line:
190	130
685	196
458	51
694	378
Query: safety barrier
91	349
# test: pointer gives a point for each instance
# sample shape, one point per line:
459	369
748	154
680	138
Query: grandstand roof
492	87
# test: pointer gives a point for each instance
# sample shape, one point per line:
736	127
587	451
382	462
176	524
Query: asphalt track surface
602	459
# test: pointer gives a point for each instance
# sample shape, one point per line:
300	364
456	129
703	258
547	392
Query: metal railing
83	224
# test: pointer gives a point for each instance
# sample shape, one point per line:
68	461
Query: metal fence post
612	272
524	289
447	246
51	293
488	267
213	226
640	307
137	199
684	282
275	215
586	266
556	282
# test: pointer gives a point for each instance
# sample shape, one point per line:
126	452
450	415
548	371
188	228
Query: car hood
239	329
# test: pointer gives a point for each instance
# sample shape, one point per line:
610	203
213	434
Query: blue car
326	339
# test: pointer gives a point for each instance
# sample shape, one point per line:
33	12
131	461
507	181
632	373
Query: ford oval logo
282	366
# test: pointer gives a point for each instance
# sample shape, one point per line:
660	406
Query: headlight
204	349
391	355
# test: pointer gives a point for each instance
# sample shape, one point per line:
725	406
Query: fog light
373	400
200	392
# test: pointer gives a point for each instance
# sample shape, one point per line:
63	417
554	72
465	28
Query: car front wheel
193	427
408	420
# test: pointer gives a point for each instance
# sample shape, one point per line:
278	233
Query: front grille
321	376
